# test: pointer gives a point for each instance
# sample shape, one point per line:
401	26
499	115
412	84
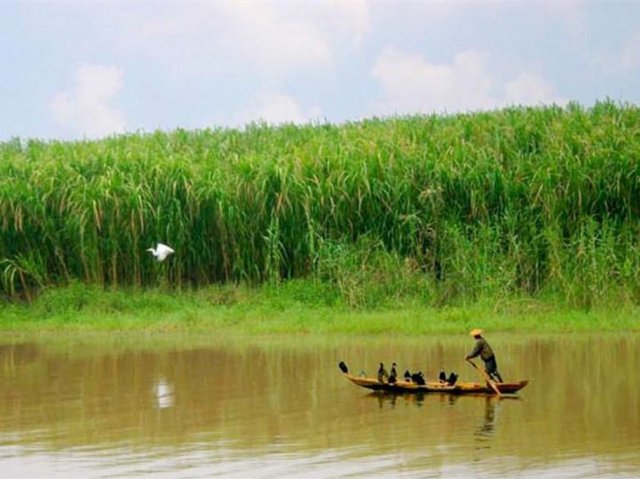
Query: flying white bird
161	252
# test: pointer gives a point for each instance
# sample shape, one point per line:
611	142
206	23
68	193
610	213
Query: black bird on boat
418	378
407	375
382	373
393	375
343	367
442	377
453	377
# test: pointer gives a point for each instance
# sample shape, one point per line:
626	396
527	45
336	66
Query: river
195	406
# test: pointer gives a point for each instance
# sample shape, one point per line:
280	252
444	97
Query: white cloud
411	84
272	37
567	9
411	14
530	89
350	20
276	108
86	108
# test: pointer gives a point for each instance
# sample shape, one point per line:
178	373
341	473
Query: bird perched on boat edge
442	377
418	378
393	375
161	252
407	375
382	373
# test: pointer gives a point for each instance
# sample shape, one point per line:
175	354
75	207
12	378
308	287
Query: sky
76	70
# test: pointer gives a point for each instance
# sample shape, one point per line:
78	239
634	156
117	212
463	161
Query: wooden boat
434	386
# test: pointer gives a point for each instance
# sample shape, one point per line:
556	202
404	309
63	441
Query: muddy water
190	407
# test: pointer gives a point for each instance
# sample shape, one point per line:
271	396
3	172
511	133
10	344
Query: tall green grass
445	209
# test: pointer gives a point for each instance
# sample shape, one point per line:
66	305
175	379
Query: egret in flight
161	252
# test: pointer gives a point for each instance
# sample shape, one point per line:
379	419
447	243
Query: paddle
486	376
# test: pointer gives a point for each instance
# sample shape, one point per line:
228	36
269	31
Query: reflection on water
486	425
163	393
198	407
390	399
485	430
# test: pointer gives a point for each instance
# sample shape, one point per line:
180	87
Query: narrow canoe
435	387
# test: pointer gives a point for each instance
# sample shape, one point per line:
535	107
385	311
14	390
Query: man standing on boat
485	352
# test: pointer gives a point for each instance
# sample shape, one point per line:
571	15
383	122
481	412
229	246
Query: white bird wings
162	251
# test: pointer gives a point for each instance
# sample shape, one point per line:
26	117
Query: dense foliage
521	201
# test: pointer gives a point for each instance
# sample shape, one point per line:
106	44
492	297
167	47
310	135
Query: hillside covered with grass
520	202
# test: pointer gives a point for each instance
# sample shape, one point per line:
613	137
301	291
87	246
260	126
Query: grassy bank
301	308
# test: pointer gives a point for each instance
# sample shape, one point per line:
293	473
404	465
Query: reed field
434	210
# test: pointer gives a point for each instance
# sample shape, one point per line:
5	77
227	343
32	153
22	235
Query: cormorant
418	378
382	373
453	377
407	376
393	375
442	377
343	367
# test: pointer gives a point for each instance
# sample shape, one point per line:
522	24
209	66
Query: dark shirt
481	349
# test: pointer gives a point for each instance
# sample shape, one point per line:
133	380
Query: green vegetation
298	306
431	212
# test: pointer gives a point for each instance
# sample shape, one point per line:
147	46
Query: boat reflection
418	399
482	432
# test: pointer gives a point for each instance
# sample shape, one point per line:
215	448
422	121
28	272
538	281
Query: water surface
202	406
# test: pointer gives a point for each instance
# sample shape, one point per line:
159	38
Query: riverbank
293	310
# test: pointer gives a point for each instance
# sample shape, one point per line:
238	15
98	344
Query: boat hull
436	387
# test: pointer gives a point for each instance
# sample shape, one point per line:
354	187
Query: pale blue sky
91	69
